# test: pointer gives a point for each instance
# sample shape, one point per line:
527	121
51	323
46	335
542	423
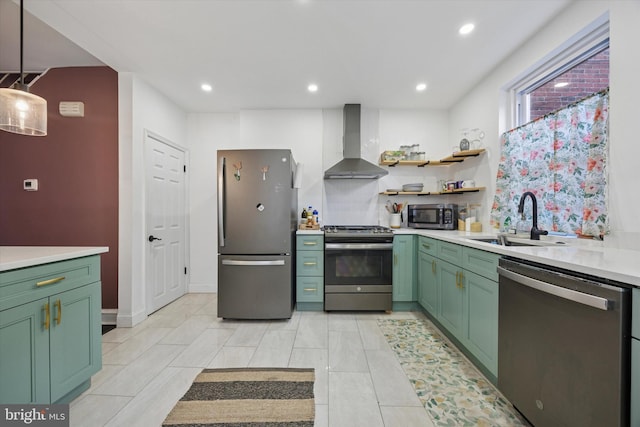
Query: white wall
315	138
485	106
298	130
140	108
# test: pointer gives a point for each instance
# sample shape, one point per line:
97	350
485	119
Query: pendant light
22	112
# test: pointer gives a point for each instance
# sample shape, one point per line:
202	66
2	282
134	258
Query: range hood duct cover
353	166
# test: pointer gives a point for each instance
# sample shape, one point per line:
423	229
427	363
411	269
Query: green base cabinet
481	323
24	354
458	287
50	346
635	382
428	283
404	269
310	272
635	359
452	298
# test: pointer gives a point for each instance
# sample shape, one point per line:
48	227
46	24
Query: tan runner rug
247	397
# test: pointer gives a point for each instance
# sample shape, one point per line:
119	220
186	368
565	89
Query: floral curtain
562	159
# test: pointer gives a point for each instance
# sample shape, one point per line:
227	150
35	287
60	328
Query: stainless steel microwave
436	217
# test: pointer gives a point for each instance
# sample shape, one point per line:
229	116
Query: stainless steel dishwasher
563	346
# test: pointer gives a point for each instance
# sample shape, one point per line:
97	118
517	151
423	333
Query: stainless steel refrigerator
257	220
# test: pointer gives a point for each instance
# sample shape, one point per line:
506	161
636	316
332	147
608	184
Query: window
557	147
562	88
582	62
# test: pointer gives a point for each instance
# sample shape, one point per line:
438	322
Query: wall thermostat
30	184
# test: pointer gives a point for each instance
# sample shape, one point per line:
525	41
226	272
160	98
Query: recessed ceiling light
561	84
466	29
312	87
421	87
206	87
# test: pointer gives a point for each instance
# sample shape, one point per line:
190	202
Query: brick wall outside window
590	76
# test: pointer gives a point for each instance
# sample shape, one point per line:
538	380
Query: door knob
152	238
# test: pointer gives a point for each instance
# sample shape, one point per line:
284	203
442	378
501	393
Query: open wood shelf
457	157
433	193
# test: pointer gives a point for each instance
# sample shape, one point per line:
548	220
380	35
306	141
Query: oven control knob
358	289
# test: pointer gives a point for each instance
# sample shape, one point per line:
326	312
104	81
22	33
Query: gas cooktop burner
357	229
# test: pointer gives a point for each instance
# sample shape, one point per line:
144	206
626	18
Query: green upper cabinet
404	268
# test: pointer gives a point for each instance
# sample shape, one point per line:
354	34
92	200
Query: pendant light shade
22	112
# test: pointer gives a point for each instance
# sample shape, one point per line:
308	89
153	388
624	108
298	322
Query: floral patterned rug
452	390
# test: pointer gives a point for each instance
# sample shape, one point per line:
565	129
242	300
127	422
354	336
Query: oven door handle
240	262
568	294
359	246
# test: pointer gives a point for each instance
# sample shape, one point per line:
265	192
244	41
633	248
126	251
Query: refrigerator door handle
244	262
221	200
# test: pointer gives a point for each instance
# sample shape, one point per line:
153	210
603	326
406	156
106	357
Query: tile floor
146	369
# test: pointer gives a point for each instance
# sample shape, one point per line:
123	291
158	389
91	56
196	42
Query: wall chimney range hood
353	166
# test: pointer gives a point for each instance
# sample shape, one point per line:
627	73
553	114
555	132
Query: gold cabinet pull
424	245
50	281
310	289
309	263
310	243
433	266
47	316
58	316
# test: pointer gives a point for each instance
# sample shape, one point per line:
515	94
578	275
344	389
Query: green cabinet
310	271
50	331
481	322
635	382
24	354
404	268
635	358
452	298
428	287
427	283
458	287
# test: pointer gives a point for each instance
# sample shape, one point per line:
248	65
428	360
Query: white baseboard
201	288
129	321
109	316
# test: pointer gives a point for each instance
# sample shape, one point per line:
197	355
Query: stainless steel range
357	267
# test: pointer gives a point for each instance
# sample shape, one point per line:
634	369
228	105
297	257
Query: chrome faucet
535	233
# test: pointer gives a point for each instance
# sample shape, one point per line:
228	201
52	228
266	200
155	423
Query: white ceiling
263	53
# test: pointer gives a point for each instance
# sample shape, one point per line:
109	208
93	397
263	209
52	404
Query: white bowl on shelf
413	187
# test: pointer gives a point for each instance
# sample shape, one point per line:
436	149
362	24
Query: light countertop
12	257
583	256
309	232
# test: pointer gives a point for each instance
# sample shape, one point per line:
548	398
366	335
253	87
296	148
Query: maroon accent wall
76	165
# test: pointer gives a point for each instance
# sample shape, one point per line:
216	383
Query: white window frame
586	43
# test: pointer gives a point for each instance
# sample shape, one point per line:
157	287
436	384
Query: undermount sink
504	240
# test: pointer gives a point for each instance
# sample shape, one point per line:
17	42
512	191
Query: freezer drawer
255	287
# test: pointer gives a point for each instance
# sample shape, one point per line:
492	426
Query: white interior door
165	222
